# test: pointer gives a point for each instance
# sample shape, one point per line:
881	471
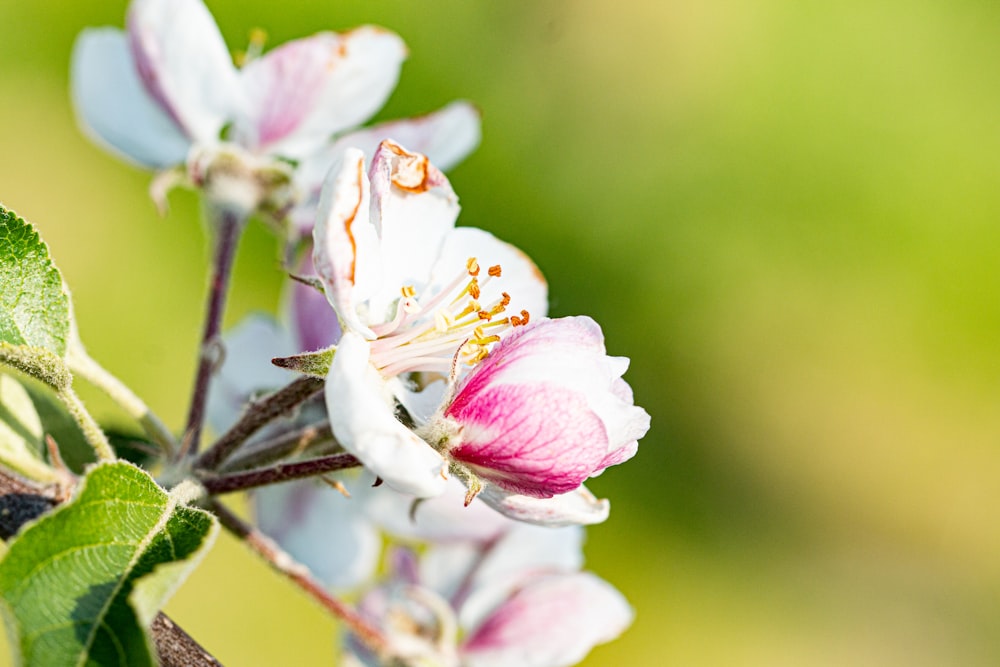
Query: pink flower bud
543	412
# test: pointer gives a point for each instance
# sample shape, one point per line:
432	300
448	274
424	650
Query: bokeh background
786	213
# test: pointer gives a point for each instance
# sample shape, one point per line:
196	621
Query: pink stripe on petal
539	439
286	83
553	621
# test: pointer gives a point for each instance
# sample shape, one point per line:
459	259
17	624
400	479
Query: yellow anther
442	321
473	266
408	291
494	271
474	289
485	341
484	314
469	309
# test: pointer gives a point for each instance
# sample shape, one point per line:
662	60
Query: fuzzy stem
228	224
84	366
286	444
283	472
300	575
259	414
91	431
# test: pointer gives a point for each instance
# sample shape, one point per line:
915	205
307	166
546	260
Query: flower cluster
465	585
166	95
444	377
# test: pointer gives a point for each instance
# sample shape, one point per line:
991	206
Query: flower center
435	333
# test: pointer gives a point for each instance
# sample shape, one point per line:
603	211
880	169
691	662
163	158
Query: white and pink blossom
415	296
165	94
518	600
546	410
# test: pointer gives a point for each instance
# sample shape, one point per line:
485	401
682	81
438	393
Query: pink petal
284	85
303	93
553	621
539	440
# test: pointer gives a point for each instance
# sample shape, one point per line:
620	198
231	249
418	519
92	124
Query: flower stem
300	575
258	415
84	366
290	443
228	225
91	431
248	479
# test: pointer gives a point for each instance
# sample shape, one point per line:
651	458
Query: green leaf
81	585
315	364
22	436
34	306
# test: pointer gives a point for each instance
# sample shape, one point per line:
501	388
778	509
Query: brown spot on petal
410	173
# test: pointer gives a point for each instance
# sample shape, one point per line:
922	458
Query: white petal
413	209
553	621
444	518
345	251
113	107
321	529
446	137
247	369
421	405
576	507
520	278
308	90
362	419
184	63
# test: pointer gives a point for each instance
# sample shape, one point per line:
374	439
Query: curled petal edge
363	422
579	507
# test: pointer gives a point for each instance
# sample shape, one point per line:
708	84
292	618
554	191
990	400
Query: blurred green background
786	213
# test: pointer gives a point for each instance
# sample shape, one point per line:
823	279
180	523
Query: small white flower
165	94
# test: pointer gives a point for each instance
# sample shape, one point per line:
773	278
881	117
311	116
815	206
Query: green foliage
34	305
22	435
81	585
315	364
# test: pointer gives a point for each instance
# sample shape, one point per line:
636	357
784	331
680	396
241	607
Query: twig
228	226
217	485
259	414
298	573
283	445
